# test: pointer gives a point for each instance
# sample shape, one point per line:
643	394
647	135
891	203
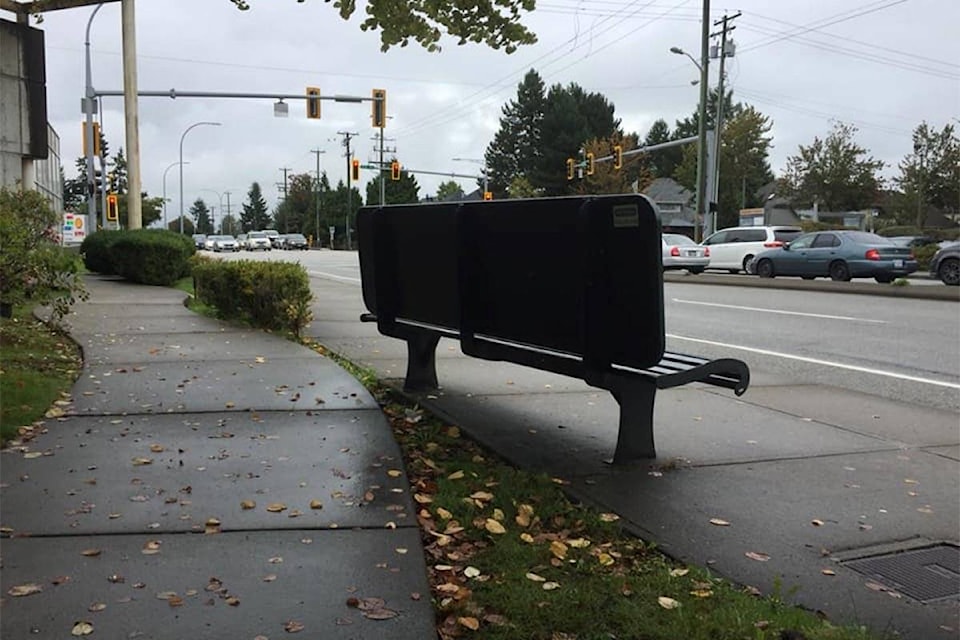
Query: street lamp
703	66
195	124
481	162
172	165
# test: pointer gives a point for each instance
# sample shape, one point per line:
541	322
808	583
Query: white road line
826	363
786	313
331	276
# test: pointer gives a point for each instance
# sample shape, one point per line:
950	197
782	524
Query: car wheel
696	270
839	271
765	269
884	279
748	264
949	272
809	277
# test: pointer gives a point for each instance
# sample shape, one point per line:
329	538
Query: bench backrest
575	278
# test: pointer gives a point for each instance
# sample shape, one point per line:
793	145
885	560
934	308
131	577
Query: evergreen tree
449	190
254	215
340	203
402	191
662	163
201	216
117	175
930	176
515	149
561	138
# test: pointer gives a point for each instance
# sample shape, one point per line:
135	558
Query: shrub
95	250
32	265
152	256
268	295
924	254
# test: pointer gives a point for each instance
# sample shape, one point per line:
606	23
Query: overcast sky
884	66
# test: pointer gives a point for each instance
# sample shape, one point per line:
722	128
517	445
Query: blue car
839	255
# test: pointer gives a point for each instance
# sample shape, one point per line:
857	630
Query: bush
268	295
32	264
924	255
152	256
95	250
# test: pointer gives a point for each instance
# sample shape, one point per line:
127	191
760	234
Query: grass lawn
38	366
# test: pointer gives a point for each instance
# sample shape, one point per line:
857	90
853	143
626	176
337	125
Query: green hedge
145	256
268	295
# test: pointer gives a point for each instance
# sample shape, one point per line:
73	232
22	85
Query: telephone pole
346	142
718	125
317	198
286	216
381	150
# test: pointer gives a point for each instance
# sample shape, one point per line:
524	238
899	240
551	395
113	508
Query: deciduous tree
449	190
930	176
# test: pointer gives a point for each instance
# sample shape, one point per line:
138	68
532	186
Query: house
675	203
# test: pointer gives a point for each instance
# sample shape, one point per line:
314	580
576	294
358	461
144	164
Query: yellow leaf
817	522
498	515
24	590
453	432
522	519
276	507
667	603
605	559
578	543
81	628
456	475
471	572
828	572
54	412
535	577
679	573
401	550
156	448
701	593
259	359
394	473
558	549
550	586
248	504
526	537
90	553
31	455
493	526
470	623
422	498
139	461
485	496
443	513
316	504
609	517
718	522
152	547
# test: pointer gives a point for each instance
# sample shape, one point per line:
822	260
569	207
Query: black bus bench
567	285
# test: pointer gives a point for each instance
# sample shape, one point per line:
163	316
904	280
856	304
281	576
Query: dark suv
946	264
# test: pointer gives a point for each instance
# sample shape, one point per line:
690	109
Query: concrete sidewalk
812	479
207	482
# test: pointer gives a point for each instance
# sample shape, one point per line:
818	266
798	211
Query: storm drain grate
927	575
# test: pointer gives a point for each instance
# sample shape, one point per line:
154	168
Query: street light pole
195	124
702	129
172	165
88	111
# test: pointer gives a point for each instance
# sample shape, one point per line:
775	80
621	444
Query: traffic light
570	164
313	103
488	195
96	137
394	170
378	114
113	208
617	157
589	163
355	170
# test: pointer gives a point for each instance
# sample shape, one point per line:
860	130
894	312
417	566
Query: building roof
668	190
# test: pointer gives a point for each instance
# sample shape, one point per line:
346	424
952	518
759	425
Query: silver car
680	252
257	241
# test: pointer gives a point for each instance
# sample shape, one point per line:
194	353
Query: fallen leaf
535	577
151	547
156	448
32	454
817	522
293	626
550	586
276	507
456	475
233	601
718	522
667	603
24	590
759	557
443	513
248	504
81	628
401	550
394	473
166	595
471	572
526	537
578	543
828	572
259	359
140	461
96	606
316	504
453	432
229	405
470	623
59	580
609	517
605	559
54	412
701	593
494	527
558	549
91	553
483	496
270	577
679	573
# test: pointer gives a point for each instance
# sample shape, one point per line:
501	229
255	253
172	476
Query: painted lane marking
787	313
826	363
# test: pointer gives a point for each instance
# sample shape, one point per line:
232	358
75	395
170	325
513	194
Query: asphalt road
903	349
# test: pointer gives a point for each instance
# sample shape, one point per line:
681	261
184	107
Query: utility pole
286	215
702	128
317	197
232	230
718	125
346	142
382	150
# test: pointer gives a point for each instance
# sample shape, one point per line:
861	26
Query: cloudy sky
883	65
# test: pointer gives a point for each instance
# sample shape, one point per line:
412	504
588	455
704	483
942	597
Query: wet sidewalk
207	481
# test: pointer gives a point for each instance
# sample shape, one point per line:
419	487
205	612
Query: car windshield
674	239
256	234
786	235
296	236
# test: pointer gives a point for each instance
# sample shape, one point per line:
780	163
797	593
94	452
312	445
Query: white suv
733	249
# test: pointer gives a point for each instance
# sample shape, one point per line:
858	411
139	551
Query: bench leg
421	362
635	437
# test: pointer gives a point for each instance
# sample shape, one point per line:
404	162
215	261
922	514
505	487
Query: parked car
945	264
840	255
199	240
733	249
680	252
914	242
242	240
295	241
257	241
274	237
222	243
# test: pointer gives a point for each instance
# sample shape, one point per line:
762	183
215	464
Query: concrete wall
23	103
